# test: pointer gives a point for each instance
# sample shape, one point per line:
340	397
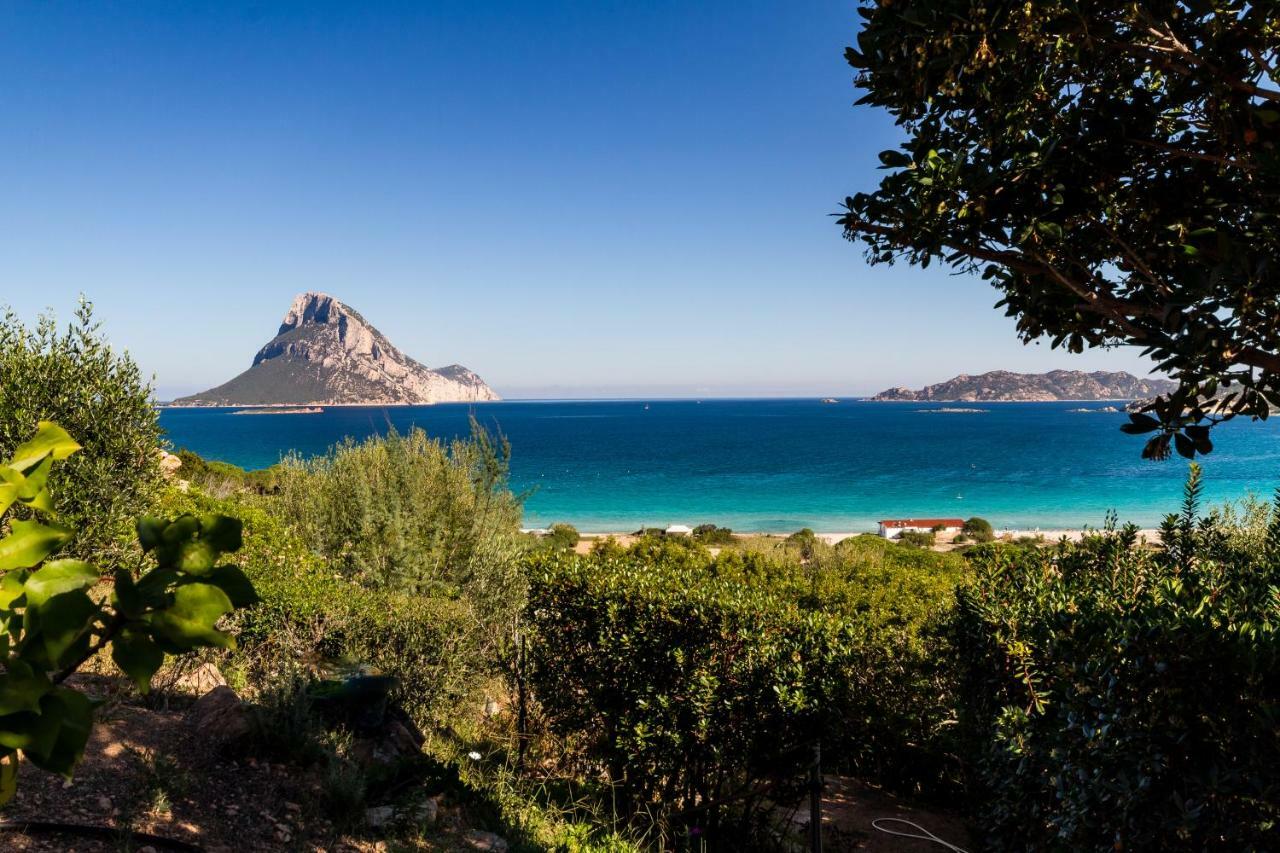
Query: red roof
923	522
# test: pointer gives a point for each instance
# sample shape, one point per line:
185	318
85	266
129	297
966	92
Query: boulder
169	464
200	680
379	816
488	841
220	716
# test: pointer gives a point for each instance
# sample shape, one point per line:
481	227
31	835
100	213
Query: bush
689	681
222	479
561	537
709	534
917	539
75	379
1117	696
978	529
415	515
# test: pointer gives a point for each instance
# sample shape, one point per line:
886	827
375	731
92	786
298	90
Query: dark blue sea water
779	465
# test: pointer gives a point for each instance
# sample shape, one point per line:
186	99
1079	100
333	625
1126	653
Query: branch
1192	155
1172	46
1097	302
112	628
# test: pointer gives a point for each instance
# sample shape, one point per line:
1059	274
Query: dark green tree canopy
1111	167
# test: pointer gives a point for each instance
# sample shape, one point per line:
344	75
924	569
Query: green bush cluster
413	513
697	686
710	534
1117	696
917	538
74	378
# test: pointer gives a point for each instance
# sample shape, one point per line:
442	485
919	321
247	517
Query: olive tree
73	376
1112	168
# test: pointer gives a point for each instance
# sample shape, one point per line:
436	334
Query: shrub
309	617
53	626
978	529
709	534
413	514
222	478
75	379
690	681
561	537
916	539
1114	695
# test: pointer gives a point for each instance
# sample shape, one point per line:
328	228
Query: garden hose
923	835
104	832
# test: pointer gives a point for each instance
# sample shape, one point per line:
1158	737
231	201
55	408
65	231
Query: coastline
1149	534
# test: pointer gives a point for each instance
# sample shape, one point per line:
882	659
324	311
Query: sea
778	465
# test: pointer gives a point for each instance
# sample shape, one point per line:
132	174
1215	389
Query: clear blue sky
574	199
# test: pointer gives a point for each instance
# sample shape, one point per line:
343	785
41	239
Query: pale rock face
326	353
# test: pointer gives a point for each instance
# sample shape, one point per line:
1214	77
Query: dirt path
849	807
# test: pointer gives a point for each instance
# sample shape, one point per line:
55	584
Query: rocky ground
152	776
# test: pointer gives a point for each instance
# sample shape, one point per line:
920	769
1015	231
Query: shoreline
586	539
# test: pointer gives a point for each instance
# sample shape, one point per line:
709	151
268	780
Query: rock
325	353
169	464
424	813
104	803
379	816
220	716
147	849
200	680
395	738
478	840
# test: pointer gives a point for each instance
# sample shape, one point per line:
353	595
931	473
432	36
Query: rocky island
1005	386
326	354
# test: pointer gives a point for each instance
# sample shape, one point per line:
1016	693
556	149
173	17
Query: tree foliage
1118	696
74	378
1112	168
51	624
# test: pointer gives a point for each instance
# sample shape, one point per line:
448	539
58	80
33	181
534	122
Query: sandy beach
944	542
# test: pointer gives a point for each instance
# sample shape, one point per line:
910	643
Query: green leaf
196	557
49	440
8	491
8	777
223	532
125	595
63	624
29	542
188	622
57	577
74	715
150	529
21	687
233	581
12	588
138	656
894	158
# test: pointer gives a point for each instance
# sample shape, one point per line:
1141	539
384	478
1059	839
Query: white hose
924	835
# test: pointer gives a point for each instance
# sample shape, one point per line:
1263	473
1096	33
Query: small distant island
1056	385
281	410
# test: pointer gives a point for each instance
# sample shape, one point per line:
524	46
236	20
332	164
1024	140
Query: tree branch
112	628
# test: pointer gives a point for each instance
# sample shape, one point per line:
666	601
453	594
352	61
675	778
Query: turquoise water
779	465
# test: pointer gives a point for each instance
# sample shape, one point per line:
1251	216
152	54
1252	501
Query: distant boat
830	400
646	407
